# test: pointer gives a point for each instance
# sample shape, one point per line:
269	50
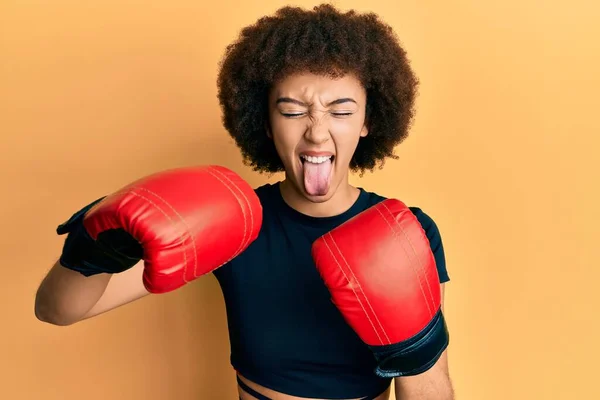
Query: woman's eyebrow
301	103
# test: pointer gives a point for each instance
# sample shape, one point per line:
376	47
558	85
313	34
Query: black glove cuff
416	355
89	257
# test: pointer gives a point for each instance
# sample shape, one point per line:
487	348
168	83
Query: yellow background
503	155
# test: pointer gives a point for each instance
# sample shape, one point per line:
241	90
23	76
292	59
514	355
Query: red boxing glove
187	221
382	276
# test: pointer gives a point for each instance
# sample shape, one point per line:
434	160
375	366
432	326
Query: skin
320	114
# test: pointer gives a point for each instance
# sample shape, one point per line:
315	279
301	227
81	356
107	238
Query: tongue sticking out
317	177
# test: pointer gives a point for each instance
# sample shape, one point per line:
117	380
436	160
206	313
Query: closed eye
335	114
292	115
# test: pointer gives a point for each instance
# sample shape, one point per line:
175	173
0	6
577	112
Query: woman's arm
65	297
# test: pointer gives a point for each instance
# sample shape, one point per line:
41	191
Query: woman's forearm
65	296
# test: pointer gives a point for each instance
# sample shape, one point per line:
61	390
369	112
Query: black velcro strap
416	355
115	250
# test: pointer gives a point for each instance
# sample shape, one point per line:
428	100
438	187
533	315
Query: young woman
316	94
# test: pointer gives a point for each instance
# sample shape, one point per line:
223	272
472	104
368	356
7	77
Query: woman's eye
301	114
342	114
292	115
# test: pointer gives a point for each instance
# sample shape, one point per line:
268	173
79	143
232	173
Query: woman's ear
364	131
268	131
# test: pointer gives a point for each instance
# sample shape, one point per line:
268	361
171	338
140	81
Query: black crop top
285	333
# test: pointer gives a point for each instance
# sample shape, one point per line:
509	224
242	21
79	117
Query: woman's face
316	123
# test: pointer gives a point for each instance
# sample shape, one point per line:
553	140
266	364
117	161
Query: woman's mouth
315	159
317	171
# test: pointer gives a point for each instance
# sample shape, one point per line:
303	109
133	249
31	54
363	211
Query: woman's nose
318	131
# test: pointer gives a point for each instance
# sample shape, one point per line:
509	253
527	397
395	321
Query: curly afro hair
323	41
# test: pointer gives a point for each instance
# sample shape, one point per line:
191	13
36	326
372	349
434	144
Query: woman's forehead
308	85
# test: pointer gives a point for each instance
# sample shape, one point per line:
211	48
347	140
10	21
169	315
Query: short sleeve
435	241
